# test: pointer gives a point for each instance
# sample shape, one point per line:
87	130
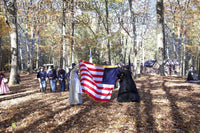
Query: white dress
75	90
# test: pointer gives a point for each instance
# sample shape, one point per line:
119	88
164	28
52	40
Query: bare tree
10	12
72	31
160	35
0	51
64	59
133	17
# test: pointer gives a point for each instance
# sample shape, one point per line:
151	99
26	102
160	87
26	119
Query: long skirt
74	95
4	88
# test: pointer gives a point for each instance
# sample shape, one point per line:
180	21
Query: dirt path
168	104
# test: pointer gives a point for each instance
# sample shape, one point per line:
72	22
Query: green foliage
13	124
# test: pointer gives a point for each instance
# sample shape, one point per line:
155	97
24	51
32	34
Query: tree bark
72	28
64	59
21	58
37	58
160	36
134	39
108	32
199	58
11	16
28	45
0	53
184	57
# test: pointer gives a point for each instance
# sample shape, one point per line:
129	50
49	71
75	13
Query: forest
160	39
61	32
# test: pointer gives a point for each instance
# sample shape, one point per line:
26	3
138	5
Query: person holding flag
127	91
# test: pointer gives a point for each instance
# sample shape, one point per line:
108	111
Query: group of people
73	84
3	84
127	91
52	75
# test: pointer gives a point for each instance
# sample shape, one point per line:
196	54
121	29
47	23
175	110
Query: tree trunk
72	28
21	58
108	32
160	36
64	59
134	39
0	53
97	39
174	40
143	55
184	58
125	49
30	49
37	58
52	52
199	59
180	45
11	16
29	65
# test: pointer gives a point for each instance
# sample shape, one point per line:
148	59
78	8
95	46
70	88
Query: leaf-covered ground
168	104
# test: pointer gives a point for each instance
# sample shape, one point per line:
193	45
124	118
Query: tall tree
0	51
133	18
10	12
72	31
160	35
64	59
108	32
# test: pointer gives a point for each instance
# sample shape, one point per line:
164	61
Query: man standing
41	76
52	78
61	78
75	87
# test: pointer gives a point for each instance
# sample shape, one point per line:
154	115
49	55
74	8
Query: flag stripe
96	80
105	87
95	98
97	75
92	68
90	65
108	93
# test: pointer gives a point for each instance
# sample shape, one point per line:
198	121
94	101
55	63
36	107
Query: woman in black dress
127	91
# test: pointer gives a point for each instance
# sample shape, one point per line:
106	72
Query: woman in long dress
75	87
3	84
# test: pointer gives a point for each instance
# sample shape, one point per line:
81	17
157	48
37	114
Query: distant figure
42	77
75	87
3	84
52	78
192	74
18	78
61	78
67	77
170	69
127	91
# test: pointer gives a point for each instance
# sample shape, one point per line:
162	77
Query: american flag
98	80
